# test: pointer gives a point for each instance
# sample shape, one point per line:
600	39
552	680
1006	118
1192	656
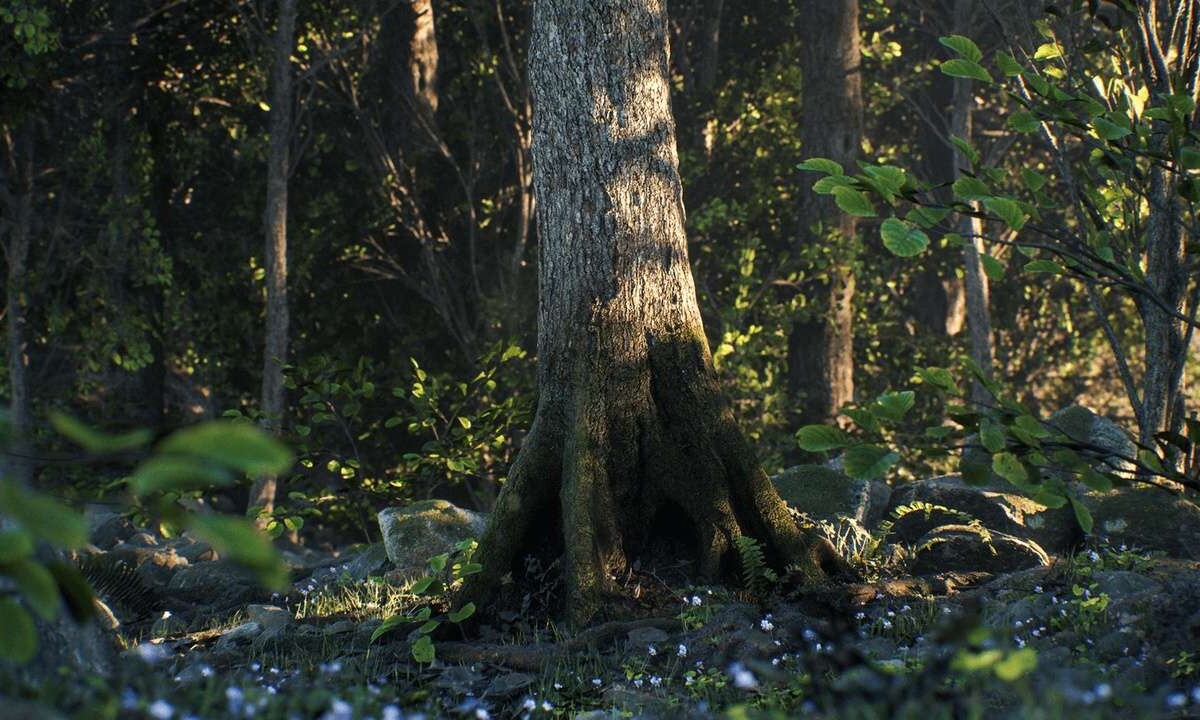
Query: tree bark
20	172
979	321
821	349
633	441
262	492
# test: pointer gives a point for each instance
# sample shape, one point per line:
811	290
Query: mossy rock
949	500
414	533
967	548
1150	519
823	493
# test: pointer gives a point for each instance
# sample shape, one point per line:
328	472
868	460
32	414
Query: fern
756	576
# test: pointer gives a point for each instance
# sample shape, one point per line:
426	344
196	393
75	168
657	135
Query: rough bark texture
262	493
420	67
821	351
979	321
632	440
20	204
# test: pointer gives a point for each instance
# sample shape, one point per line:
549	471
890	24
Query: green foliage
757	577
181	462
446	573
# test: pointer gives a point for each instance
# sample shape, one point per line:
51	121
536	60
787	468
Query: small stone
269	617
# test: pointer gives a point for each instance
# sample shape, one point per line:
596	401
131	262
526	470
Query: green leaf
1009	467
1110	130
44	518
966	148
75	590
1189	158
926	217
1007	64
868	462
895	405
1044	266
429	626
1097	481
238	445
18	637
902	239
961	68
37	585
1024	122
96	441
991	435
863	418
237	539
889	178
423	650
1029	424
1008	211
1082	515
14	545
422	586
1033	179
829	183
853	202
964	46
178	473
970	188
938	377
820	438
389	625
992	267
1047	51
824	165
464	612
1016	665
1051	500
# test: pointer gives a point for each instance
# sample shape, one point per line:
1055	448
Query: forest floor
1094	635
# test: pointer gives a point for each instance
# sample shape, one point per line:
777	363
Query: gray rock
967	548
340	627
241	635
269	617
106	526
509	683
826	494
1149	519
221	585
414	533
143	539
641	637
1084	426
1055	530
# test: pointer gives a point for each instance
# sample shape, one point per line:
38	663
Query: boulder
1148	518
824	493
970	548
270	618
414	533
106	525
919	507
1084	426
221	585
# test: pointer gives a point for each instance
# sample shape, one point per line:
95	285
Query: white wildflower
651	651
1103	691
390	712
766	625
160	710
1176	700
695	601
743	679
682	651
656	680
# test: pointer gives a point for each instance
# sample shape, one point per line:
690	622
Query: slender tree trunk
821	349
262	493
979	321
710	45
20	151
420	69
633	442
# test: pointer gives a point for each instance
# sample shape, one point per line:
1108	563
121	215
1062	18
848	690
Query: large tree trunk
633	441
262	493
821	349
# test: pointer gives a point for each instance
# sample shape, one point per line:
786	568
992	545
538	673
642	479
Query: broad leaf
926	217
820	438
895	405
238	540
1044	266
45	518
94	440
238	445
961	68
14	545
991	435
1008	211
853	202
1024	122
464	612
37	585
964	46
868	462
1082	514
178	473
18	638
1007	64
992	267
971	188
825	165
902	239
1009	467
423	650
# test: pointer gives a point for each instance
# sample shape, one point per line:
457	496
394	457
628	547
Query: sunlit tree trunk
821	349
633	440
262	493
979	322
